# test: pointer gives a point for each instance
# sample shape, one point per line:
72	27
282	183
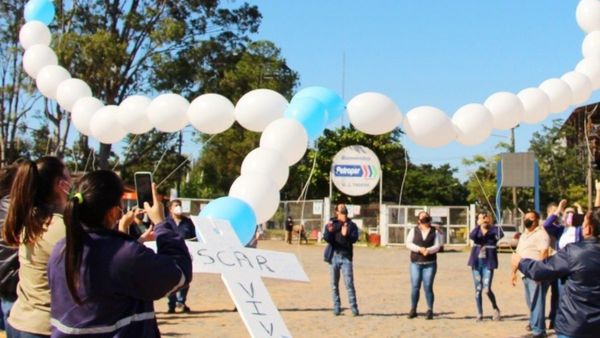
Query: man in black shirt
340	233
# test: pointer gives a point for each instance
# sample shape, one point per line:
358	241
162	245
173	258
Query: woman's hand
156	212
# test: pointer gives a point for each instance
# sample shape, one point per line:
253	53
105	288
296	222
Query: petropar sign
355	170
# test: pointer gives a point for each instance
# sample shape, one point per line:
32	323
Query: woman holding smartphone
103	281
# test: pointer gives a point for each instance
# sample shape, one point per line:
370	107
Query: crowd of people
73	263
559	252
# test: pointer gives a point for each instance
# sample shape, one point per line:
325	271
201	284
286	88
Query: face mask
425	220
177	210
528	223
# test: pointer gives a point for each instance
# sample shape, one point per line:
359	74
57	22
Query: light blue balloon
239	214
333	103
310	113
40	10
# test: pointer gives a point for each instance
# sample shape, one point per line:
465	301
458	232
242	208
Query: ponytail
31	198
74	245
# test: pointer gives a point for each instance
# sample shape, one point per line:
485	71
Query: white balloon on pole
590	48
286	136
429	127
374	113
168	112
580	84
82	112
34	33
104	125
473	124
70	91
506	108
560	94
49	78
267	162
38	57
260	192
211	113
536	104
132	115
257	108
590	67
588	15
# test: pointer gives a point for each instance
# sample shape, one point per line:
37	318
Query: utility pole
514	189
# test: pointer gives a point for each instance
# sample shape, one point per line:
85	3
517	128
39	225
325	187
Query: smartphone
577	220
143	188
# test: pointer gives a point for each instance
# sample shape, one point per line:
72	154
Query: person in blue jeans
341	233
424	242
185	227
579	263
484	260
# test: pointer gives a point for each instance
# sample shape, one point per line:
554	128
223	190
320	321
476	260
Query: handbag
328	254
9	270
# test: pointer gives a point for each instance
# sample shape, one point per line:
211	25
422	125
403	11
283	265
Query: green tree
429	185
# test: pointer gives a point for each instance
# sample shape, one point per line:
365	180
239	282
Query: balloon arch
287	127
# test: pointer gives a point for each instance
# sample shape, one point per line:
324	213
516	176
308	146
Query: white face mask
177	210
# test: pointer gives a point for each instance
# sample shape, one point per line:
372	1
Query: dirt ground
383	290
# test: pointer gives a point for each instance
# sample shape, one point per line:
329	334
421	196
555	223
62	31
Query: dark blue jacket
579	307
186	227
556	230
120	280
336	242
486	242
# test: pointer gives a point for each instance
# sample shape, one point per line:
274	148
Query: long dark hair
97	194
32	195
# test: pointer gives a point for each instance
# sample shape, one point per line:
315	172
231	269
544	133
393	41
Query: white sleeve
409	241
436	245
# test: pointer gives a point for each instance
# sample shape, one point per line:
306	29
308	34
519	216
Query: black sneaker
412	314
186	309
429	315
171	310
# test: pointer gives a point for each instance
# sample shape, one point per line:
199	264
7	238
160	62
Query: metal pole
514	189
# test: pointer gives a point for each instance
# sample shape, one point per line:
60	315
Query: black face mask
425	220
528	223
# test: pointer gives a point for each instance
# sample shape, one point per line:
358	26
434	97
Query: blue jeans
178	297
483	277
535	295
422	273
344	264
11	332
5	306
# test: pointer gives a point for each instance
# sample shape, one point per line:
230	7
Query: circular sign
355	170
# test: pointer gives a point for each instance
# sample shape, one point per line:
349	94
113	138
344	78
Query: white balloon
286	136
536	104
580	84
104	125
257	108
588	15
211	113
168	112
70	91
82	113
374	113
38	57
473	124
591	45
429	127
506	108
590	67
49	78
34	33
560	94
266	162
260	192
132	115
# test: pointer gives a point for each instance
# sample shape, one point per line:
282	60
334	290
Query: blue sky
429	52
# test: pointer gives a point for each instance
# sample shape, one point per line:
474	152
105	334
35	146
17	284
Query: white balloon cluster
284	140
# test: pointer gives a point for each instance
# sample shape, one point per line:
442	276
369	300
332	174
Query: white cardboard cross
241	270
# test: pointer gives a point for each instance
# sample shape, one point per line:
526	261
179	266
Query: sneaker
496	316
429	315
412	314
336	312
355	312
171	310
479	318
186	309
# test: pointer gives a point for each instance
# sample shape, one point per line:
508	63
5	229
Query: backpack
9	270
